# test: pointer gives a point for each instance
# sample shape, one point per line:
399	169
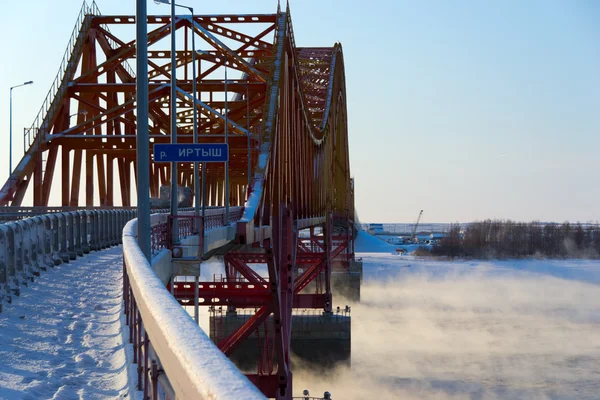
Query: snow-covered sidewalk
63	337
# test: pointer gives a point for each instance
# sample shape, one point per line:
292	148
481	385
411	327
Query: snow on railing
32	245
13	213
185	362
175	357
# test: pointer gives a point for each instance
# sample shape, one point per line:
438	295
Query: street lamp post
226	162
174	191
10	130
196	174
203	164
248	134
174	196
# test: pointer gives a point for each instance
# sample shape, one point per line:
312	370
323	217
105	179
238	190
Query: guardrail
32	245
175	357
184	362
11	213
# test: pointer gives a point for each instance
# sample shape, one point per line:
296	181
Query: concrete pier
318	338
346	283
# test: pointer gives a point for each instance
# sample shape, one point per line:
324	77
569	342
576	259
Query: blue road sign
191	152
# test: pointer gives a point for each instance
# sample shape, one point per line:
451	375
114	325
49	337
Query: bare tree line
509	239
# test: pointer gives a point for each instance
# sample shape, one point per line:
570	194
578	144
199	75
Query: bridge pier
319	338
346	282
245	325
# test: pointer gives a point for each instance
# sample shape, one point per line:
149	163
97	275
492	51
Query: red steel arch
287	119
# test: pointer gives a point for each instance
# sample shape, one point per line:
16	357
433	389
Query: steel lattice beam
291	100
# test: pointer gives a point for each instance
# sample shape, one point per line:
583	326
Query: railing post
26	244
33	268
202	232
108	226
146	351
154	379
55	229
70	236
18	248
64	255
4	285
77	232
11	258
85	232
94	231
105	229
100	231
111	227
133	311
120	225
139	349
116	226
47	240
125	288
128	309
40	260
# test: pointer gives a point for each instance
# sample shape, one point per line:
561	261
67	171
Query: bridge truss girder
98	153
287	121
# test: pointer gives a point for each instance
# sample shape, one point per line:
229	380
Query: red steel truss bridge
289	160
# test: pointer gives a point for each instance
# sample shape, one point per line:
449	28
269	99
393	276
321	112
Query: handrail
193	364
214	218
10	213
30	246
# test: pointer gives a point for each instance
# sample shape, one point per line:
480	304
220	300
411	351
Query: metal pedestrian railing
175	358
35	244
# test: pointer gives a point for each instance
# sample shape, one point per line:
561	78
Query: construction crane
413	237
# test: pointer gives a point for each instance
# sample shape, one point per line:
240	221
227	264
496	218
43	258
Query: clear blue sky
466	109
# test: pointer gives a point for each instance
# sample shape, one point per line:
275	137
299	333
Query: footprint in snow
85	360
28	379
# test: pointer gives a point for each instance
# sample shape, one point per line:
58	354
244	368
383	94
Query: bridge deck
63	337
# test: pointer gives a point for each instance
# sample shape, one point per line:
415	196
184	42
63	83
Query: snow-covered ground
63	338
426	329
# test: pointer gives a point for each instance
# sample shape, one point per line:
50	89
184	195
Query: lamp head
28	83
162	2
